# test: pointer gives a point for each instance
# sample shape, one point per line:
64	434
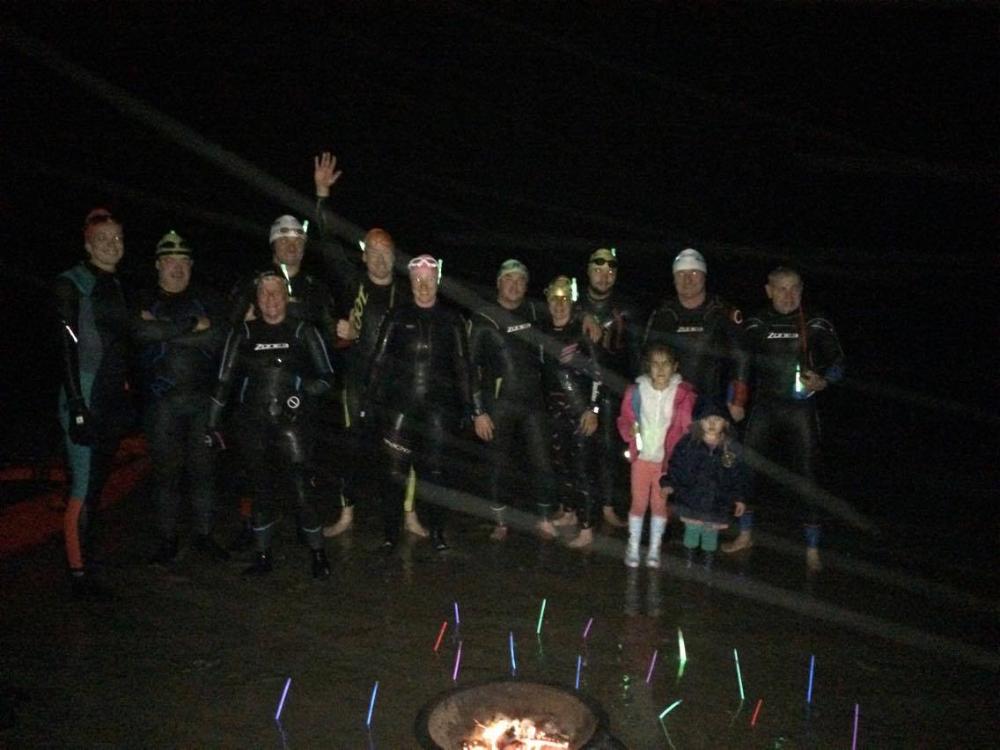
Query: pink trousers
646	489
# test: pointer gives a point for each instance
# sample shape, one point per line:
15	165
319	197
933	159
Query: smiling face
272	299
424	282
105	245
511	288
173	272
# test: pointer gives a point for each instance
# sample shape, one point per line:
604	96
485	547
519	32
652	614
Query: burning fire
514	734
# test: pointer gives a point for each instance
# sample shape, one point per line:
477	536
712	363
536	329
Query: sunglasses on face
612	264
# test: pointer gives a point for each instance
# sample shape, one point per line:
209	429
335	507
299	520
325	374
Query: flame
513	734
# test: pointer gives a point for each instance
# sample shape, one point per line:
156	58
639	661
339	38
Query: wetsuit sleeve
739	392
482	344
227	371
339	268
68	310
241	299
320	359
463	370
593	370
633	339
825	353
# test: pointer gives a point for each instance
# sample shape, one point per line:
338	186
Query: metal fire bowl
450	719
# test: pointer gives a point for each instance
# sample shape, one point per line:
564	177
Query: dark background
856	140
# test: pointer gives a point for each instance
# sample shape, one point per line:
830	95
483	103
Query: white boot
657	525
634	536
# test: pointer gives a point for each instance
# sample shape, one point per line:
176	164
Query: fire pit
512	715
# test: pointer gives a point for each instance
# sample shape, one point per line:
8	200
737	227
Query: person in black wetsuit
509	401
619	352
365	296
572	384
278	368
704	331
794	356
421	392
178	376
309	299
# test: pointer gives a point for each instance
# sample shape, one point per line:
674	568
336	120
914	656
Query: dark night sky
857	138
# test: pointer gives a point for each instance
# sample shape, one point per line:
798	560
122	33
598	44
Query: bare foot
413	525
499	533
741	542
546	530
566	519
584	539
611	518
345	522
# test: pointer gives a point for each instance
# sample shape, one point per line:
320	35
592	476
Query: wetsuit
505	348
276	372
706	342
421	391
572	384
365	304
618	355
93	405
783	424
178	381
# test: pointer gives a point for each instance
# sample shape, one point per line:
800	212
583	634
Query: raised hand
325	173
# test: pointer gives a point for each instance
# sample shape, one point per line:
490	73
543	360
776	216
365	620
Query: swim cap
512	265
690	260
561	287
286	226
172	244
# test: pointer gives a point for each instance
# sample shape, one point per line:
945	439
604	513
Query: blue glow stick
371	705
281	703
513	661
457	621
812	669
739	675
579	666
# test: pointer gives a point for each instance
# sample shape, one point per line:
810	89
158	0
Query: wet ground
197	655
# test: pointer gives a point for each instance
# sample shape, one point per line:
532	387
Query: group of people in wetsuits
416	378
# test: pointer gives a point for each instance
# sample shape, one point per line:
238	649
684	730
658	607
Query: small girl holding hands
708	478
655	414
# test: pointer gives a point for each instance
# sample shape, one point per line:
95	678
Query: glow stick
437	643
756	710
458	660
812	669
371	705
288	281
541	617
739	676
579	666
854	734
652	666
513	661
281	703
457	621
682	653
670	708
586	630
